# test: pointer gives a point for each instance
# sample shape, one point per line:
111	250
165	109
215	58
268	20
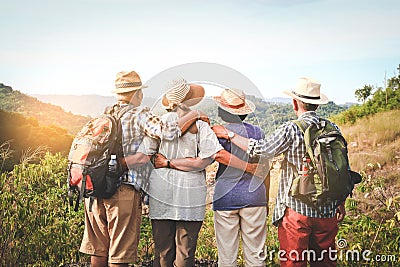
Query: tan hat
307	90
127	81
180	91
234	101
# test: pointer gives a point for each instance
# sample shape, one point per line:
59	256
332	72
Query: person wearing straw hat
112	229
301	227
177	187
240	199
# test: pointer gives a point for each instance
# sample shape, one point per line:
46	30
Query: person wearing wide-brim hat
240	199
180	92
176	197
301	226
177	187
112	228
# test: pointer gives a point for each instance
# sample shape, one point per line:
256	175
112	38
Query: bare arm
185	122
222	156
240	141
182	164
226	158
341	212
136	160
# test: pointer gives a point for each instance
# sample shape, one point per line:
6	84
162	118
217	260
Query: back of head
128	87
179	91
229	117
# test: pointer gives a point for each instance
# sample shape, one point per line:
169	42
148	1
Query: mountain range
86	105
93	105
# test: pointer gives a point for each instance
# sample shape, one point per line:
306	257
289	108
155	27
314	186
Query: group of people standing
167	156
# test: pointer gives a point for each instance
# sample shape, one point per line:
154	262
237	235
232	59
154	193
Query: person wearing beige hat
301	227
177	188
112	229
240	199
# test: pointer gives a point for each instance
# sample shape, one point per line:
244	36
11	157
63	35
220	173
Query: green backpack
325	174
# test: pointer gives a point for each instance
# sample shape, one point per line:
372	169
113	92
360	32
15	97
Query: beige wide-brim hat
127	81
308	90
180	91
234	101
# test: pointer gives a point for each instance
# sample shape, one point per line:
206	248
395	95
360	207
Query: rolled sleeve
256	147
274	145
149	146
169	126
208	143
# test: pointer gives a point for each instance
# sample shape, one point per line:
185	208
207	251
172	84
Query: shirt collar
308	114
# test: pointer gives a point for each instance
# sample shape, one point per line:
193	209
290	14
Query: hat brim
193	97
127	89
323	99
248	107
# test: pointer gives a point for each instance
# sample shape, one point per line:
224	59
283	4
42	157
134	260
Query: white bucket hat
307	90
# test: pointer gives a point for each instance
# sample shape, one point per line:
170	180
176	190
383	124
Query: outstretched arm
182	164
136	160
228	159
240	141
268	148
222	156
186	121
168	126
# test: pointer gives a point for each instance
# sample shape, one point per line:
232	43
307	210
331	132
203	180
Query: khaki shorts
112	229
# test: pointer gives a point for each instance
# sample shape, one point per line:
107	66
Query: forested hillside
46	114
269	115
86	105
20	136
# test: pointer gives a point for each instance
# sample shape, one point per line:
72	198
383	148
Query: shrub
38	228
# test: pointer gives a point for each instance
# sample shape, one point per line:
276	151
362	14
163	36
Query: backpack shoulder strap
301	124
117	111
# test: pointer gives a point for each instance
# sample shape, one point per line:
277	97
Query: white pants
250	222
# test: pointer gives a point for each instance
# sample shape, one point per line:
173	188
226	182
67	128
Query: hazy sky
77	46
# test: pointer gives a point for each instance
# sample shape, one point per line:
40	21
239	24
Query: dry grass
33	155
374	140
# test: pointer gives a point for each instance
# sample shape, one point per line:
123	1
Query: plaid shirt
137	123
288	140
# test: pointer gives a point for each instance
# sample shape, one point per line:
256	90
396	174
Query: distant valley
86	105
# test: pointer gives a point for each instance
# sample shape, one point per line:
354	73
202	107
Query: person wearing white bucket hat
112	229
301	226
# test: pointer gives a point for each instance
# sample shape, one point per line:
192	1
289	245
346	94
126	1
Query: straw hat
127	81
180	91
234	101
307	90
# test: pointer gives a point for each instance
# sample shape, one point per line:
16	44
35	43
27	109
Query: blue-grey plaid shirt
137	123
289	141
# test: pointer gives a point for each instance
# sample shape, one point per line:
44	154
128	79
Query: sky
77	46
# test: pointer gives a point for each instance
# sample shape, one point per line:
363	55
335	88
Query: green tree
363	93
